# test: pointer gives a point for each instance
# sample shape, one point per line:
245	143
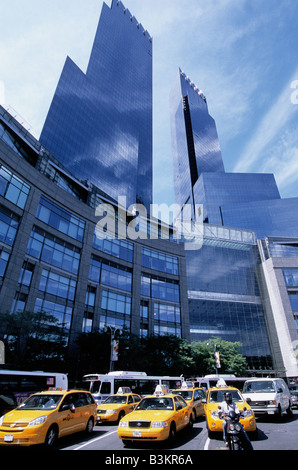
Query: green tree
231	359
32	340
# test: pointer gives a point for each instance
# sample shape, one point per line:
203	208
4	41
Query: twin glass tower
99	124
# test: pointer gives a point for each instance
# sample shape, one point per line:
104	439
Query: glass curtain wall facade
99	125
223	293
53	258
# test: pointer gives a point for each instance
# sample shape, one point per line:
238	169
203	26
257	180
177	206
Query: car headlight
247	413
110	412
123	424
214	414
1	420
159	424
38	421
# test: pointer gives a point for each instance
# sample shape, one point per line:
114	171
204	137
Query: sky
243	55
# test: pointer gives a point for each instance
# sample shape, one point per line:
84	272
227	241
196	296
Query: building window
54	251
291	277
116	303
87	322
60	219
144	314
19	302
13	188
26	274
121	249
90	297
159	261
294	300
116	276
167	319
57	285
95	269
62	312
158	288
4	258
110	274
9	224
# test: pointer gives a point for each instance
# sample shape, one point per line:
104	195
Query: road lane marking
206	446
94	440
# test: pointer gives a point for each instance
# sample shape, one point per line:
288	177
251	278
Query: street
272	435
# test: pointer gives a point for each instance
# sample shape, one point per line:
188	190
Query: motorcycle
235	433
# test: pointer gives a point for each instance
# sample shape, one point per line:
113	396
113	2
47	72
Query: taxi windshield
41	402
186	394
258	386
156	403
217	396
116	399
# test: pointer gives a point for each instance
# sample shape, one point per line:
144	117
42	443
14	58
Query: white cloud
270	127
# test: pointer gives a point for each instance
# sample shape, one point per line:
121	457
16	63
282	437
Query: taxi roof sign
123	390
221	383
186	385
161	390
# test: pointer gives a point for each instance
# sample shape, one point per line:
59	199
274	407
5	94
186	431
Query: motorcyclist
226	407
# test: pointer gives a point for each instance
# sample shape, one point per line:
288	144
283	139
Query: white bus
211	380
19	385
103	385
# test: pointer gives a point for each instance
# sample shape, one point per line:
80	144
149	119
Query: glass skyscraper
195	143
99	124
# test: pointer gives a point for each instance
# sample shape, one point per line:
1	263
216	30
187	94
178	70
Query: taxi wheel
90	426
172	432
51	437
121	414
191	421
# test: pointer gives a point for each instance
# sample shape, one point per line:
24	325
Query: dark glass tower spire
99	124
195	143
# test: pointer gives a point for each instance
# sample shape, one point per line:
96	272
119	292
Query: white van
268	396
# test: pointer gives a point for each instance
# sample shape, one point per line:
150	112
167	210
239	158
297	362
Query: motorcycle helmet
228	397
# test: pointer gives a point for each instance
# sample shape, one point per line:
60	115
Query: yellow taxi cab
196	397
117	406
46	416
157	417
215	396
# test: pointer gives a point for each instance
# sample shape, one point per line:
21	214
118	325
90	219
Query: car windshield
156	403
186	394
116	399
217	396
41	402
259	386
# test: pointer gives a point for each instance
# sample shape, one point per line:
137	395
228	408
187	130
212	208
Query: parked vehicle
269	396
214	422
294	395
46	416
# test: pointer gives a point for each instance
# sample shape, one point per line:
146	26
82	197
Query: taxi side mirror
69	406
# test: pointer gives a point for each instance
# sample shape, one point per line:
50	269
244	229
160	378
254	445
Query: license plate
8	438
137	433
